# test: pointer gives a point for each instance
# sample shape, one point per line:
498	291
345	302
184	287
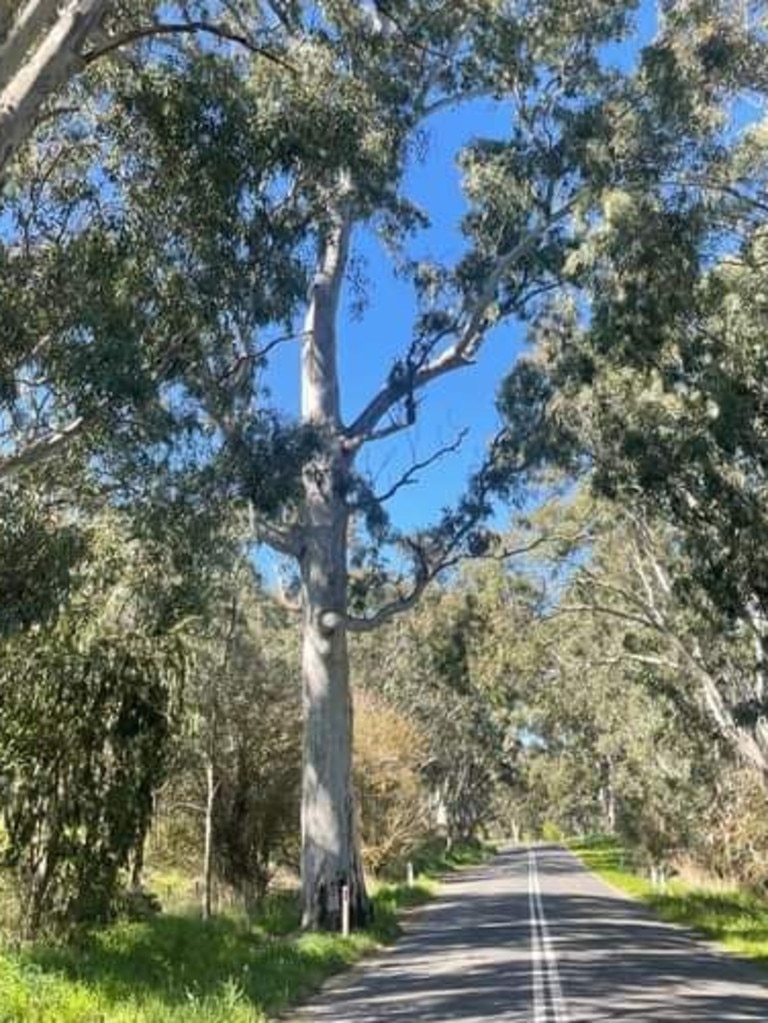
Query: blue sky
369	344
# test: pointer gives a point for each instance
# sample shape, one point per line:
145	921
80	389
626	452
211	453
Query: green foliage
649	362
444	670
241	734
389	753
38	555
181	970
735	918
257	764
551	832
91	696
84	742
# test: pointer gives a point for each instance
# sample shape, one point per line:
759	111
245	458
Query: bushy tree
656	390
90	702
389	754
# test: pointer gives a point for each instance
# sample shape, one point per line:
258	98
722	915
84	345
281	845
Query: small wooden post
410	874
345	910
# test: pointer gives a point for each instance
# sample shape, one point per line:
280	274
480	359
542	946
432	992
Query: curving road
533	937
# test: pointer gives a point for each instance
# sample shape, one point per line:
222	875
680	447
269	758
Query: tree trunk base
323	910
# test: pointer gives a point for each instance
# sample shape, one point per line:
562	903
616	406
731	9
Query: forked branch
470	331
428	567
409	477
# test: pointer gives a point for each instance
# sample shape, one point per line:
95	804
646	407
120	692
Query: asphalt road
534	938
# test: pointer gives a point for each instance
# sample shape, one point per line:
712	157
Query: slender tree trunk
330	856
210	803
137	866
611	808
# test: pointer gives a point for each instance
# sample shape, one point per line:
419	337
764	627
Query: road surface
532	937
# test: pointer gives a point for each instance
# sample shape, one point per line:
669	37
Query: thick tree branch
44	70
471	329
29	23
37	450
750	748
320	399
283	539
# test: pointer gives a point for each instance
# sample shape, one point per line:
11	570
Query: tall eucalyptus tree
363	81
223	191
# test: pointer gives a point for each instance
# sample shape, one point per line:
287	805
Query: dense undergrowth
735	918
178	969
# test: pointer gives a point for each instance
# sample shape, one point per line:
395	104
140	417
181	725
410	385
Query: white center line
539	1000
542	947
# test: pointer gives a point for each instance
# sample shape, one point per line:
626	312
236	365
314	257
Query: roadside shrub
83	743
389	753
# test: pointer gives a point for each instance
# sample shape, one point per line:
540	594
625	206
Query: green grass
177	969
735	918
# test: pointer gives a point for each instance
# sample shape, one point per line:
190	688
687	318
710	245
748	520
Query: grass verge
735	918
174	968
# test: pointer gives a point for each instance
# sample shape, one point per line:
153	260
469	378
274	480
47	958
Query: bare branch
215	29
470	335
600	609
425	575
252	358
408	478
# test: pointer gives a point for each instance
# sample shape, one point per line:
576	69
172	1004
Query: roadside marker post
345	911
410	874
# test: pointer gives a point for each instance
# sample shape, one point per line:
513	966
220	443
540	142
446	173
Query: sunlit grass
178	969
735	918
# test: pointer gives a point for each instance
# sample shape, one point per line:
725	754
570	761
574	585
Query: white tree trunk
42	66
330	855
210	804
330	842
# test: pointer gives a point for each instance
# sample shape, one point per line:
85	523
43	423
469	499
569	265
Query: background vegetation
577	645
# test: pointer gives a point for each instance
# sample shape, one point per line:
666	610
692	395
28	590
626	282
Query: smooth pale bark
210	803
330	855
43	68
22	31
330	844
